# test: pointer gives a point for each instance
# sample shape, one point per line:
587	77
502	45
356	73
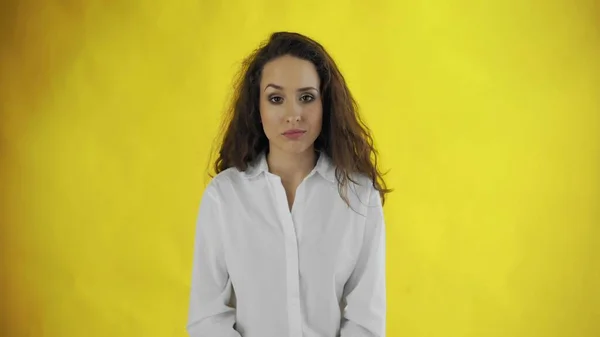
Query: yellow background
487	113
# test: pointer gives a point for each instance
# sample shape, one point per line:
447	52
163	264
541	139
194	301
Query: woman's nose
294	112
292	119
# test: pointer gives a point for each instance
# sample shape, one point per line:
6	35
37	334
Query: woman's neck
291	167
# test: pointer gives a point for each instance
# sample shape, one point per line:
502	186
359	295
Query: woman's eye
306	98
275	99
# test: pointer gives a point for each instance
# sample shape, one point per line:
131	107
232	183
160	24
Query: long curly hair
344	136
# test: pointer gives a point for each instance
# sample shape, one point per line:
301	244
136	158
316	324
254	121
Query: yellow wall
486	112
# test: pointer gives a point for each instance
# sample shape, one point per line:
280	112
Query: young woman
290	237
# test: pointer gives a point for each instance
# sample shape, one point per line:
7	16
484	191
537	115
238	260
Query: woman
290	234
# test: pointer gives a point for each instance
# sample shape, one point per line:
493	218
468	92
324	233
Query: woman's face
291	109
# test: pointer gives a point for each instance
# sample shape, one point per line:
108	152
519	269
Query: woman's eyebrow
278	87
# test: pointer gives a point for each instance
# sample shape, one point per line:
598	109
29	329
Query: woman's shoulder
362	182
360	190
225	179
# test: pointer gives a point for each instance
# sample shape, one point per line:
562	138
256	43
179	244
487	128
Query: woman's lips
294	133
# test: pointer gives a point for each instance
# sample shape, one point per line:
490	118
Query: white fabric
262	271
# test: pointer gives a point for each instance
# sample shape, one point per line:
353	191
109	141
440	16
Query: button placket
291	250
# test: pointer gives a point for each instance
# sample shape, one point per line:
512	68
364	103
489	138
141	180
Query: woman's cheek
270	125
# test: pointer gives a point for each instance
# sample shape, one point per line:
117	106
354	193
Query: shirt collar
324	167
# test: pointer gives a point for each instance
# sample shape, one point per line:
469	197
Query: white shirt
262	271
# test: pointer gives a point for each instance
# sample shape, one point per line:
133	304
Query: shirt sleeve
210	311
364	293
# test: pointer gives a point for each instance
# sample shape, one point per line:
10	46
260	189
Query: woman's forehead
289	72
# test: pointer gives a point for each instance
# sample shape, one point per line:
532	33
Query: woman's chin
295	148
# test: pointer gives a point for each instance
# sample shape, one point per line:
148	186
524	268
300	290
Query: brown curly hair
344	137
